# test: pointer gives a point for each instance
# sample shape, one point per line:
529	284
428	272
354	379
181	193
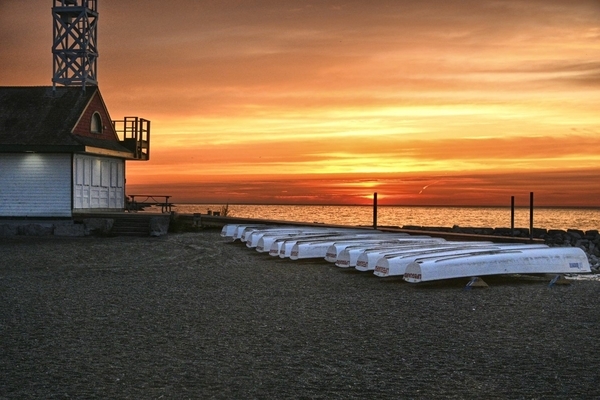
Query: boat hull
319	249
552	260
395	264
367	260
349	256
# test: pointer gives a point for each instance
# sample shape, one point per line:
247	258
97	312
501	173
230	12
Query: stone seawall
95	226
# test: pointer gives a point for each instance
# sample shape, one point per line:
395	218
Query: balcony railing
134	134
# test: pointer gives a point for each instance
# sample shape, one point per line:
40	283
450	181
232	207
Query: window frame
96	123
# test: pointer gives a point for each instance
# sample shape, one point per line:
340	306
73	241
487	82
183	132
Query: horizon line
380	205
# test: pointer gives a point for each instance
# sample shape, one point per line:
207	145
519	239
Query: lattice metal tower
74	47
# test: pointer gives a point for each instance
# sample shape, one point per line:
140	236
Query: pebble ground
190	316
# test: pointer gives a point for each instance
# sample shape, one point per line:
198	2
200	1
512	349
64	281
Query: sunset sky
430	102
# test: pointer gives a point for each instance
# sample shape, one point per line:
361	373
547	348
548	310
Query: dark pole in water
375	210
512	215
531	216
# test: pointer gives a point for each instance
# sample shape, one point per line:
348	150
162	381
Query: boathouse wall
35	185
58	184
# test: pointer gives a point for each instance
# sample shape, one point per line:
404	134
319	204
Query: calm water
493	217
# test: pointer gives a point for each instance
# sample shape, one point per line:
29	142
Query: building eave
110	153
29	148
67	149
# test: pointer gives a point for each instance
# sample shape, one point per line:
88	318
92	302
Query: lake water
492	217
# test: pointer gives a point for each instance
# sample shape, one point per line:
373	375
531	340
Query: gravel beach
192	316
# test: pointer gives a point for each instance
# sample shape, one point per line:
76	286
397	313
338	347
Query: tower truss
74	46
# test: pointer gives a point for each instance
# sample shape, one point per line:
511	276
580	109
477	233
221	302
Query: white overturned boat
230	230
282	247
319	248
265	238
335	249
273	243
239	230
395	264
288	245
252	238
551	260
251	230
348	257
367	260
244	232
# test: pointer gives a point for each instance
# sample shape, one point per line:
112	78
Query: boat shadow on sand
491	281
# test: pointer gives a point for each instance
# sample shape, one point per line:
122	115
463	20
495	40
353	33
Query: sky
430	102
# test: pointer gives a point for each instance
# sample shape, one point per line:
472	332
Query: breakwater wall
588	241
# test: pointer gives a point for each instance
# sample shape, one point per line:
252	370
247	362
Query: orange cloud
555	188
429	102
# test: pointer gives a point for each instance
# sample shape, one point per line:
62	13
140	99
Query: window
96	125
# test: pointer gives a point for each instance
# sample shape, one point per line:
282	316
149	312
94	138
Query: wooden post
375	210
531	216
512	215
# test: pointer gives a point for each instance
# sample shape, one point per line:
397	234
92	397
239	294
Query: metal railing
134	134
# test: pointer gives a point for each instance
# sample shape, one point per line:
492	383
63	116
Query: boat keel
476	282
559	280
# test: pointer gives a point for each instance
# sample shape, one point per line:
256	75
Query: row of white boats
415	258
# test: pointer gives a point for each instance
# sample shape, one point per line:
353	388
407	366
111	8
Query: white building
60	152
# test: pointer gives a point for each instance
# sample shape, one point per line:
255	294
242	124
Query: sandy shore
189	316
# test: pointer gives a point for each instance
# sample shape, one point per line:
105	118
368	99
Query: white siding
98	183
35	185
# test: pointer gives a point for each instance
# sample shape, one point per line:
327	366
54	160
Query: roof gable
83	124
41	116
